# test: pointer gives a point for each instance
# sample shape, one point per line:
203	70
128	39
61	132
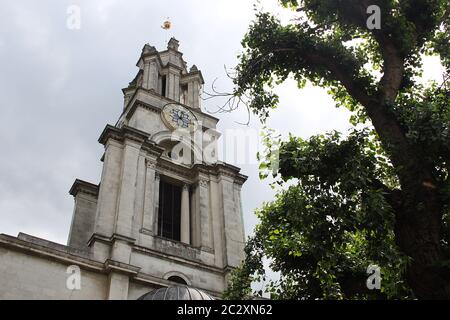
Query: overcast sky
60	87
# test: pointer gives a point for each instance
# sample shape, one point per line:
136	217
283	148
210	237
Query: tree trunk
417	233
419	216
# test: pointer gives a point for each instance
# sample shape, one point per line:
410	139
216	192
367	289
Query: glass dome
178	292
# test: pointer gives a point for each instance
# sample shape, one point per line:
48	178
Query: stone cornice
202	168
128	89
174	66
120	134
134	134
128	269
110	240
98	237
185	78
132	105
144	105
180	170
84	187
221	169
45	251
240	179
178	259
119	237
110	132
201	171
231	171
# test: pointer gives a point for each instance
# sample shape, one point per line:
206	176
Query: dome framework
178	292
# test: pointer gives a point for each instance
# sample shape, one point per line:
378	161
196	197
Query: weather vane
166	24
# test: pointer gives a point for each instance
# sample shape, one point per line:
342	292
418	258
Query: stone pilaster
176	93
229	185
196	95
194	80
170	86
150	76
156	202
108	192
118	286
185	216
145	82
125	206
153	76
190	94
195	217
217	224
149	198
240	232
205	215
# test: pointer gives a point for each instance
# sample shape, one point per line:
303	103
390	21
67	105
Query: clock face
176	116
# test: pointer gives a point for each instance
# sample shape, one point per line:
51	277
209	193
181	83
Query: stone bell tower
156	218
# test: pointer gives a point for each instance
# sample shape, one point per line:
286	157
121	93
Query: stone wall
29	277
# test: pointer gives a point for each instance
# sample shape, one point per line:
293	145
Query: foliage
324	230
340	198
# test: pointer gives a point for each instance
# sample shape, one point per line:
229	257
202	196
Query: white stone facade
114	233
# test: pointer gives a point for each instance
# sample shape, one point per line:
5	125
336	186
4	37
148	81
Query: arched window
177	279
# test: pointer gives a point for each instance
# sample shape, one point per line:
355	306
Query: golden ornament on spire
166	24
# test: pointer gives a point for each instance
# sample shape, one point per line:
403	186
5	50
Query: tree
380	195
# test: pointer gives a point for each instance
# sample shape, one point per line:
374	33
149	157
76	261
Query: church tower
166	210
